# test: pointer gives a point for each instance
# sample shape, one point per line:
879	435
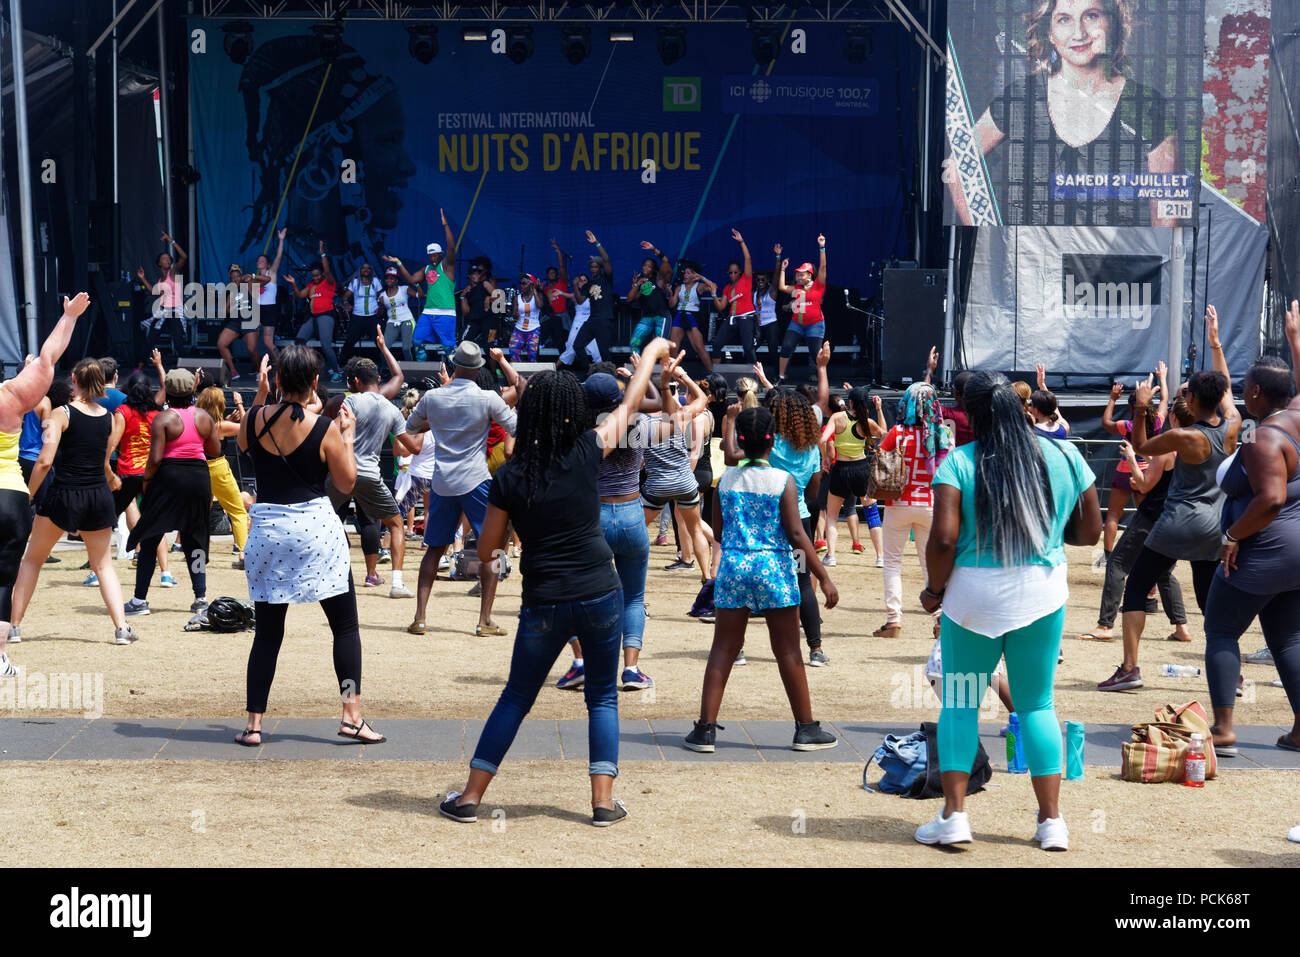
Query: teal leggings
968	663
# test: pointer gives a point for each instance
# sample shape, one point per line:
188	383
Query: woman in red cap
807	324
526	338
398	321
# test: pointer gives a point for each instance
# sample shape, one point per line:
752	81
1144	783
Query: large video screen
1074	112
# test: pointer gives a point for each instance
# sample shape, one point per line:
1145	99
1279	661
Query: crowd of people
570	474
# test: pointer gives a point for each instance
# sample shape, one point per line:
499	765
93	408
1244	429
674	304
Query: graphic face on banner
517	153
1074	112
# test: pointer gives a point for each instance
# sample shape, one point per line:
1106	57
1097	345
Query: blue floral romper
757	570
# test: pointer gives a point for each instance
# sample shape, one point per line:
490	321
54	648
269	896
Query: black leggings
769	335
1147	569
741	330
15	528
268	635
196	563
810	616
367	528
1228	614
363	328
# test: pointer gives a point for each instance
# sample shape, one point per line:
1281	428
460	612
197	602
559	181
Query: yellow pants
226	491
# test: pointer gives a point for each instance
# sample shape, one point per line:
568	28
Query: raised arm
1293	339
181	258
744	251
21	394
1227	405
298	293
338	453
559	258
779	271
279	253
263	380
325	264
1108	415
449	251
393	386
823	379
159	397
1162	372
821	259
604	256
408	278
931	363
507	370
613	428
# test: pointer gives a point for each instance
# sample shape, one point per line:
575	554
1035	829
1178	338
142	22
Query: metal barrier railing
1103	455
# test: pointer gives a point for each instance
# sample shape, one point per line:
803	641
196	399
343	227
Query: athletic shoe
91	581
412	537
7	669
1276	682
51	560
83	566
135	606
476	591
124	635
420	354
336	376
1122	680
176	547
880	561
199	606
634	679
811	737
238	565
573	678
1052	834
167	581
400	591
661	540
702	738
821	546
740	659
604	816
680	565
374	581
385	556
464	813
708	618
444	563
1101	561
818	658
945	830
856	548
1261	657
15	638
829	561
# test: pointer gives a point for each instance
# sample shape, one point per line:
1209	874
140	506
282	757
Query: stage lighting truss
577	43
239	40
423	44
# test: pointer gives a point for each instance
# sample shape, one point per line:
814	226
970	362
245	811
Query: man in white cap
438	320
457	417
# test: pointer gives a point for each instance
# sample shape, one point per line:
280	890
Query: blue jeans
624	526
543	632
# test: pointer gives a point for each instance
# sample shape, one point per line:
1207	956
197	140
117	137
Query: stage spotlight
672	44
423	44
474	34
857	44
765	41
577	43
519	43
329	40
239	40
621	36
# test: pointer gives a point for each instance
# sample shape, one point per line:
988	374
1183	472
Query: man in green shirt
438	320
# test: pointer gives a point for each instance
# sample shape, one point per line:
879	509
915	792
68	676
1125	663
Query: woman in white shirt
362	299
581	313
769	331
395	299
526	339
687	308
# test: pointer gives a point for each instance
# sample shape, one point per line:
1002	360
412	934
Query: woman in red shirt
320	294
807	324
921	436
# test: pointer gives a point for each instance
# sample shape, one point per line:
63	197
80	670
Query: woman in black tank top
77	439
297	551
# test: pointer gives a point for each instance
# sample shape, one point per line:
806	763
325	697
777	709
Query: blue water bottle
1074	737
1015	747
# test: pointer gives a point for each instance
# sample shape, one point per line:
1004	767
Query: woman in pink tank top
177	491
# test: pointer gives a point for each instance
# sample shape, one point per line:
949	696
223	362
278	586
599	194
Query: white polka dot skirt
295	553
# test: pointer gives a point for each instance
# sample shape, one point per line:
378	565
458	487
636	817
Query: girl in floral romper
756	518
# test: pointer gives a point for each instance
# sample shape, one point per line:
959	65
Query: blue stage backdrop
519	153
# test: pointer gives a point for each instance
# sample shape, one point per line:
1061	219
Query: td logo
681	94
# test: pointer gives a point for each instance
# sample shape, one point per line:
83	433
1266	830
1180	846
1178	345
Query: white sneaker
880	561
1261	657
1294	834
400	591
443	564
952	830
7	669
1052	834
829	561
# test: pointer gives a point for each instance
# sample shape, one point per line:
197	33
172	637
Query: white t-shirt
766	309
365	296
581	313
398	305
528	314
688	298
266	293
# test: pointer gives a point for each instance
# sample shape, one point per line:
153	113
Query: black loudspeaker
214	369
731	372
915	300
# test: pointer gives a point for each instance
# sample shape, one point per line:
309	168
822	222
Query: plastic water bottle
1074	736
1015	747
1194	769
1179	671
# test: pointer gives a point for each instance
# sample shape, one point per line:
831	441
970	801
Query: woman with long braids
549	492
78	437
18	397
297	551
1188	528
1005	506
922	438
756	518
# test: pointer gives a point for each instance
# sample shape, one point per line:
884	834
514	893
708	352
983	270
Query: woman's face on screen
1080	31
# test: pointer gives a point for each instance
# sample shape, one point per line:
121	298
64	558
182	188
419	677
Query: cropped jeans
544	630
624	526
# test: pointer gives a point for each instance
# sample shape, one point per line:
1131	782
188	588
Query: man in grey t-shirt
457	417
377	419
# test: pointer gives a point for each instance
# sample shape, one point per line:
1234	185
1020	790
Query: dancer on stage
297	550
77	443
689	309
268	292
581	316
600	293
320	294
399	324
650	292
527	336
438	320
548	491
737	301
361	299
807	324
239	320
19	396
167	312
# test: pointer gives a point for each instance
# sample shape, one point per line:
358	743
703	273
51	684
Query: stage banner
1087	301
1074	112
518	154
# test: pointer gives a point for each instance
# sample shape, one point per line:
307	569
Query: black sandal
242	737
356	733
